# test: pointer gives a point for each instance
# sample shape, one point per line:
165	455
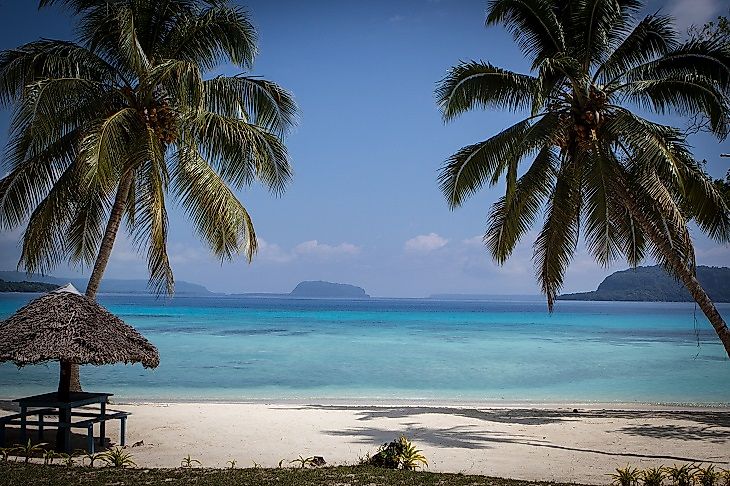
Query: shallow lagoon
245	348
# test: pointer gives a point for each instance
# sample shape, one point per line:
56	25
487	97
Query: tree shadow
507	416
707	418
679	432
470	437
461	437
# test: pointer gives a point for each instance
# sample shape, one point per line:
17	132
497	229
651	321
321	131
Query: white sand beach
551	443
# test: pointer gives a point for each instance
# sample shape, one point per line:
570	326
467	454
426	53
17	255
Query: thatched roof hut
66	326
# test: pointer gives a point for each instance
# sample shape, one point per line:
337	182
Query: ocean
500	351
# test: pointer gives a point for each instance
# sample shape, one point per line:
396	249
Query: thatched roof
65	325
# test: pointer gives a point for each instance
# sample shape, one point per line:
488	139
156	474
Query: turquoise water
226	348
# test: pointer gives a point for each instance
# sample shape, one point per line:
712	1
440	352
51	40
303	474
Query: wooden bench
88	424
22	420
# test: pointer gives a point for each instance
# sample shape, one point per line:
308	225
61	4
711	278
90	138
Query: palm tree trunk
681	270
105	251
110	234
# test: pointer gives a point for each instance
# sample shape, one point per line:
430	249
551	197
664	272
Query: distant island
328	290
655	284
108	286
26	286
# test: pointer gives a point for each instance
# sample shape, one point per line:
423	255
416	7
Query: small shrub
401	453
681	475
725	475
231	464
654	476
627	476
29	449
5	452
117	457
708	476
188	463
49	456
303	461
410	457
93	458
69	460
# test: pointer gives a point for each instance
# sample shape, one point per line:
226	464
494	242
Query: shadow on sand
711	426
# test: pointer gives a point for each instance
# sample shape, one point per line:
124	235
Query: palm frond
218	215
44	239
709	59
242	151
471	85
151	215
85	228
35	61
181	81
221	33
513	214
533	24
465	172
684	95
555	246
594	20
653	37
105	147
255	100
31	178
601	209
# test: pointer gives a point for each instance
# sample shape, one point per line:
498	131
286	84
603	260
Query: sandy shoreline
546	443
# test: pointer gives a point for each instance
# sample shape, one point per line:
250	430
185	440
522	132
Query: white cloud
184	254
271	252
474	241
694	12
425	243
314	247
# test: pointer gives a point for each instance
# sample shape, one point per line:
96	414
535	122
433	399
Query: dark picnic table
63	407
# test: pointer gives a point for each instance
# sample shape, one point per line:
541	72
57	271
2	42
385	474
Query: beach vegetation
117	457
653	476
110	127
400	453
681	475
231	464
626	476
725	474
29	449
584	154
12	474
187	462
303	461
5	453
49	456
68	460
708	476
93	457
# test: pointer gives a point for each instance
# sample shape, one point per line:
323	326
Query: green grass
16	474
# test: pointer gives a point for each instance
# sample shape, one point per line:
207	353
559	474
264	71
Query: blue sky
364	206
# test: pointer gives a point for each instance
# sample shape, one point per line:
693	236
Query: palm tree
594	163
110	127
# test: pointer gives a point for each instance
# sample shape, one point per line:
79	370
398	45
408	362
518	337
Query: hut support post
63	435
64	380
